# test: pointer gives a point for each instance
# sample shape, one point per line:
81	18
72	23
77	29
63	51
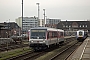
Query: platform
83	52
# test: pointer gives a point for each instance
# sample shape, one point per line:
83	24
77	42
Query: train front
38	39
80	35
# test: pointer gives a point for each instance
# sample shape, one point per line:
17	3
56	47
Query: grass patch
8	54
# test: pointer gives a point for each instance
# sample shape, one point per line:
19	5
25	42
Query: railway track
64	54
12	46
33	55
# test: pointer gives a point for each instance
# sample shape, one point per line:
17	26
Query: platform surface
83	52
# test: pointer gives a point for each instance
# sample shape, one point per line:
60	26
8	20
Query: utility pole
22	16
22	25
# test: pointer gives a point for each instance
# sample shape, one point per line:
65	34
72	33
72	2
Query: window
63	25
83	25
66	26
54	34
69	26
80	33
38	33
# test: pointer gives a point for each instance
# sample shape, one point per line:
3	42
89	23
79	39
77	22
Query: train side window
49	35
52	34
61	33
56	34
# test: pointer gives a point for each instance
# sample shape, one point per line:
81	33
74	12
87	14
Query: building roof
9	25
2	25
74	24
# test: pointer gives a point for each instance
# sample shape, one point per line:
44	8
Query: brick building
9	29
73	26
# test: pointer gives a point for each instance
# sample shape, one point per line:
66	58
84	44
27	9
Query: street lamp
44	17
38	13
7	41
8	27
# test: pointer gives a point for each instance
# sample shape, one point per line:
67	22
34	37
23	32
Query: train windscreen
38	34
80	33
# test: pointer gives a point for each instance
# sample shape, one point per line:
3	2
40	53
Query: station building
73	26
9	29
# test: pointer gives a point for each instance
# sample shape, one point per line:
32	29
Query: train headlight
31	41
44	41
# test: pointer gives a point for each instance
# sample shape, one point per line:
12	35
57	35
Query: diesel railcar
44	37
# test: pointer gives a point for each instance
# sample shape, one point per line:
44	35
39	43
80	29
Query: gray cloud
63	9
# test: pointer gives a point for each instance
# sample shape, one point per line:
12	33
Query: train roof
47	28
80	30
60	30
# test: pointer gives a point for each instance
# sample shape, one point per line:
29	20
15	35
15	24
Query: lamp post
38	13
44	17
8	27
7	41
46	20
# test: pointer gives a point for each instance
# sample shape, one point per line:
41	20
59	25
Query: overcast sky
61	9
